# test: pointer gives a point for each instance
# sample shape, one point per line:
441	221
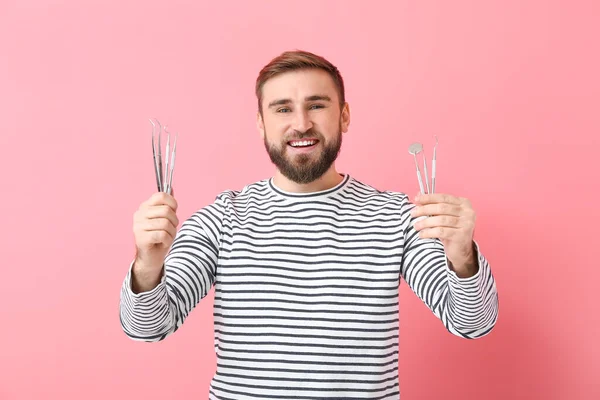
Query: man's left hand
452	220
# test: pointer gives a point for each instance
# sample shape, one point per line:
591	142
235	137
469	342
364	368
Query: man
306	265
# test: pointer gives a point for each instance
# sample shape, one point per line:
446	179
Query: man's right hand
154	227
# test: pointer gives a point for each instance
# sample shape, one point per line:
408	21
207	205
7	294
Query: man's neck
330	179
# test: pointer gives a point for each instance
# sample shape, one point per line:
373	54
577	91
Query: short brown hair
297	60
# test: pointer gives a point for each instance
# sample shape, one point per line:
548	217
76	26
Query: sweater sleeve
468	307
189	272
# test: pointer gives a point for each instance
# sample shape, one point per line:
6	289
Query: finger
158	224
437	198
439	232
141	216
159	237
436	209
162	198
162	212
437	221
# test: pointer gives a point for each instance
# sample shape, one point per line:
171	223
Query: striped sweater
306	290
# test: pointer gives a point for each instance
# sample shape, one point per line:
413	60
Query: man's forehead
298	85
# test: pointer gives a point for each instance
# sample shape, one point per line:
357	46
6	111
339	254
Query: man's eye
316	106
283	110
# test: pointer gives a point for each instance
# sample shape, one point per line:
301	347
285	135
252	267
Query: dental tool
164	182
415	149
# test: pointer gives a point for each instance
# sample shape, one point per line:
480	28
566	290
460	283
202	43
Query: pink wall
510	87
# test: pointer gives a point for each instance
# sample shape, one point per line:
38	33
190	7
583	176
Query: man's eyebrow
316	97
279	102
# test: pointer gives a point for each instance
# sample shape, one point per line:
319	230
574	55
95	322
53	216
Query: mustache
298	135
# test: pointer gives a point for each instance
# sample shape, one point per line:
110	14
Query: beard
304	168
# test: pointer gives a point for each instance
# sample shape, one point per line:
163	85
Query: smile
303	143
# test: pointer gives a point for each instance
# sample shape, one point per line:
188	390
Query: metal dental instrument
426	173
163	182
170	181
157	155
415	149
433	165
166	178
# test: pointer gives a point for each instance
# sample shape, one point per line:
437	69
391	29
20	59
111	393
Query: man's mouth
303	144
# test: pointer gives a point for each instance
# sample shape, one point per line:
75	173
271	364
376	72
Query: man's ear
260	125
345	119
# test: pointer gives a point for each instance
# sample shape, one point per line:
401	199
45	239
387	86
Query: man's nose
302	121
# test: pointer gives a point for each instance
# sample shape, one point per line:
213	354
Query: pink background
510	87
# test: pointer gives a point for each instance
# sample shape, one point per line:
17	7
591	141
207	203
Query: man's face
302	123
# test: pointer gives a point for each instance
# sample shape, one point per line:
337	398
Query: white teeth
303	143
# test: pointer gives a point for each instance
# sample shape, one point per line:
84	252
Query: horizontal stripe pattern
306	290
